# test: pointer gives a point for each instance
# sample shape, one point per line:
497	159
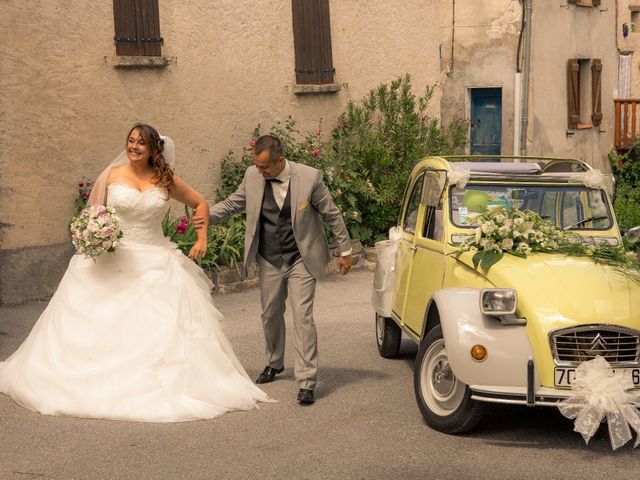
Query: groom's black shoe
268	374
305	396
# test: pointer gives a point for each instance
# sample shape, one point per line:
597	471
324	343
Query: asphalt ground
364	425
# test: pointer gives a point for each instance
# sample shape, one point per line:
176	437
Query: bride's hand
198	250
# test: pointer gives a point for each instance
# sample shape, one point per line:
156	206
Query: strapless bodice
141	212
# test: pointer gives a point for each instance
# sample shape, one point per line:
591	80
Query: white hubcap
440	388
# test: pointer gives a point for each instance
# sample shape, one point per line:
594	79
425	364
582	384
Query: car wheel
445	402
388	335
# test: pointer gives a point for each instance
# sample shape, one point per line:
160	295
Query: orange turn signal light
479	353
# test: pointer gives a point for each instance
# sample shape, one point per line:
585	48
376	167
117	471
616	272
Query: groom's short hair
271	143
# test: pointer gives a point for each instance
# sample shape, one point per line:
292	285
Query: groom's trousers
299	285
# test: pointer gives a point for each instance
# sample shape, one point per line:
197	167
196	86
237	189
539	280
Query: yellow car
515	333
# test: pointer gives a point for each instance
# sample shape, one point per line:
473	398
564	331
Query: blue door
486	121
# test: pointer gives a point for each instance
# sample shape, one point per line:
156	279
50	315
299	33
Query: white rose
507	244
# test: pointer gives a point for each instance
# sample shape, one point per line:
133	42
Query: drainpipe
517	103
525	87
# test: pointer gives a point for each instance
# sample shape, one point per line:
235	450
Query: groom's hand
344	264
198	222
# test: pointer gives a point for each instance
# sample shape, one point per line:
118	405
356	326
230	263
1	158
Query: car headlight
498	301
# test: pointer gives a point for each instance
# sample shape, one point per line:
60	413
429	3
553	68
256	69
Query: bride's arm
184	193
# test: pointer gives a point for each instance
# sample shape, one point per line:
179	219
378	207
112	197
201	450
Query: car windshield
570	207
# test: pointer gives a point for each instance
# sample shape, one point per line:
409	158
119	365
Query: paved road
365	424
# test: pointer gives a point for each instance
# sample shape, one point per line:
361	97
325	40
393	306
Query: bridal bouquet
95	230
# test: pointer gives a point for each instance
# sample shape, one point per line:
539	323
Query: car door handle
413	248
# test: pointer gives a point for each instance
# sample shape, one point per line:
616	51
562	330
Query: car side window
434	186
410	219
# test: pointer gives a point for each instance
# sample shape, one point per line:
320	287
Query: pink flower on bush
316	152
182	226
252	143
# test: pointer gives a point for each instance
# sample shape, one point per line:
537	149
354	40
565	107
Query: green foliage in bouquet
520	233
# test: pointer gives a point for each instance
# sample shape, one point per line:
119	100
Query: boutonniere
303	205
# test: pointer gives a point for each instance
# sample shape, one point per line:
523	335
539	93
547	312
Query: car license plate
563	377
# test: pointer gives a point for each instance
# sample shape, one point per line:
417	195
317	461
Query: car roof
511	168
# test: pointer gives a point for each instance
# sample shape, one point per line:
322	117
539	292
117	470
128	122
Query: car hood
560	291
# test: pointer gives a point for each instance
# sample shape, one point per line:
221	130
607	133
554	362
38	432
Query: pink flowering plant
225	242
84	189
95	230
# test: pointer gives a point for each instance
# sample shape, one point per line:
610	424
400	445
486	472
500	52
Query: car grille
618	345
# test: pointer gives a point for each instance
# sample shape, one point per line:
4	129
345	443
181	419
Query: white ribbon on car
598	393
596	179
459	176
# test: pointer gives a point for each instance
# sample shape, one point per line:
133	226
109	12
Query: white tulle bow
459	176
596	179
597	392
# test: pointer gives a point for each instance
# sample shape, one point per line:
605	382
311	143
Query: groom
285	204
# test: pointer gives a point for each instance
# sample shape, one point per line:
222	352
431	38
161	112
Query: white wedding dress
132	336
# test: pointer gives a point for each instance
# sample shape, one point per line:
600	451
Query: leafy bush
225	242
626	169
368	157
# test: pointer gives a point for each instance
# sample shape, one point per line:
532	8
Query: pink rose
106	232
316	152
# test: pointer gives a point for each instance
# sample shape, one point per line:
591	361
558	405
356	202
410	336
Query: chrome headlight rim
495	291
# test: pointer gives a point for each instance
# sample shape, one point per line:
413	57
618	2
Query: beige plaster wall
478	52
561	32
65	109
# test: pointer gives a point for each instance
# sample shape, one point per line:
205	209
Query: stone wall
65	105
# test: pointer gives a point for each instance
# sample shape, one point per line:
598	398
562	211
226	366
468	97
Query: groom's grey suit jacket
310	203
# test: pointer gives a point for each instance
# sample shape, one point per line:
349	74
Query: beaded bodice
141	212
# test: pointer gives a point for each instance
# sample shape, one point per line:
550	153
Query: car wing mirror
633	235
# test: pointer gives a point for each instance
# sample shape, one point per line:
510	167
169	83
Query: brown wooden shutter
312	41
137	27
596	91
573	92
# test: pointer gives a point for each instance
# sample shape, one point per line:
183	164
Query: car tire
388	336
444	401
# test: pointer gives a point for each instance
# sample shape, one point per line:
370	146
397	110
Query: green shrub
626	169
368	157
225	241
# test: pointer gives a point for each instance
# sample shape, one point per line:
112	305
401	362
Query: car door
410	222
427	269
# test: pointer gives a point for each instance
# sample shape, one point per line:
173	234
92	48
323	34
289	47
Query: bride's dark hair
163	175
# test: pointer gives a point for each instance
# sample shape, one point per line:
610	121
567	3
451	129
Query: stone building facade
480	53
67	100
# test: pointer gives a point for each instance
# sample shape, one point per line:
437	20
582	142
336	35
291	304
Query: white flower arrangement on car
95	230
516	232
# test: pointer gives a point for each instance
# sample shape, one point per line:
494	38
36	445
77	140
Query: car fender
464	326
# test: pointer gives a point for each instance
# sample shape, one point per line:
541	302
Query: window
635	19
434	186
585	3
584	76
411	213
572	207
137	27
312	42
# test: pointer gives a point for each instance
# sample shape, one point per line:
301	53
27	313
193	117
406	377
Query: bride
133	335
